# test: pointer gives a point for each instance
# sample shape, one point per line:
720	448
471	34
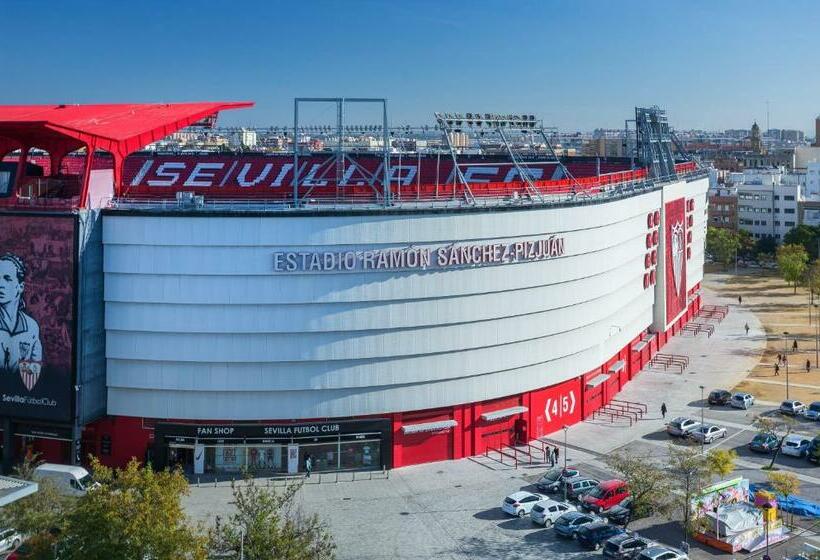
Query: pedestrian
746	326
308	465
556	453
808	366
663	410
794	345
740	300
777	369
779	358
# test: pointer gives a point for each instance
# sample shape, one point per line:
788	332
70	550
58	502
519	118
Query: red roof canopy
119	128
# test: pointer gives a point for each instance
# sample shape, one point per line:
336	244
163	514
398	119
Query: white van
69	479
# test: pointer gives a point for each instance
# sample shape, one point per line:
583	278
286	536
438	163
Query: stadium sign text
420	258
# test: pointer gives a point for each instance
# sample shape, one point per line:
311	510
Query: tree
784	483
813	279
722	244
648	483
721	461
792	261
746	243
804	235
134	513
689	472
779	428
267	527
40	515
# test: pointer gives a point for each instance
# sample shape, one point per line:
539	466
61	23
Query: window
788	211
788	197
777	222
777	197
789	224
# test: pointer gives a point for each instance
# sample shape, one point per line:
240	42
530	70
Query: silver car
662	553
813	411
707	433
742	400
792	408
9	540
681	426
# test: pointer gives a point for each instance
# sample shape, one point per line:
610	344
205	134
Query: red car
606	495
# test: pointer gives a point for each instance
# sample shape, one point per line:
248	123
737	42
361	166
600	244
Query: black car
593	535
720	396
622	513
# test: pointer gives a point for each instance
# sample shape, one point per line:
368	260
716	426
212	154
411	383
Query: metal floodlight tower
496	123
339	157
654	142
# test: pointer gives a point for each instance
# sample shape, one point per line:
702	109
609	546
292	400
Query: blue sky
577	64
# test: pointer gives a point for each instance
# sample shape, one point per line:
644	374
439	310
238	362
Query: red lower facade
117	439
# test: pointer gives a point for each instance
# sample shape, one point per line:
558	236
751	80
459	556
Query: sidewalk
717	362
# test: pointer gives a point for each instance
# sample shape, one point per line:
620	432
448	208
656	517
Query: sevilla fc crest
29	373
677	254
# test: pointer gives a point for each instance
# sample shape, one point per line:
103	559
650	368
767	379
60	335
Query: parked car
662	553
720	396
9	540
763	443
521	503
742	400
796	445
681	426
546	512
23	552
814	450
576	488
552	479
622	513
813	411
607	494
593	535
792	408
567	525
625	546
708	433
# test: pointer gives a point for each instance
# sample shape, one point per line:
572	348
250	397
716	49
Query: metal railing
549	198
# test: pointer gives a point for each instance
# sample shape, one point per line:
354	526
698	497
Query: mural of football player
20	348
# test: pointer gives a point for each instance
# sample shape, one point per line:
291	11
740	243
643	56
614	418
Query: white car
707	433
546	512
681	426
742	400
662	553
9	540
521	503
792	408
813	411
796	445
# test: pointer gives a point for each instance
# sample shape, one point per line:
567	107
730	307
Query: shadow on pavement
494	514
516	524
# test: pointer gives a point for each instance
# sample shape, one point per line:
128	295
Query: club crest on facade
677	254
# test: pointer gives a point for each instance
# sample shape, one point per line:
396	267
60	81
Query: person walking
777	369
779	358
556	453
808	366
740	300
663	410
794	345
746	326
308	465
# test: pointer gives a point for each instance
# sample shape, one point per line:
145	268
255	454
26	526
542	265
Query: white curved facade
200	326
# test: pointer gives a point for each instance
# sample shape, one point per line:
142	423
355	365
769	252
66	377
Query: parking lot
451	510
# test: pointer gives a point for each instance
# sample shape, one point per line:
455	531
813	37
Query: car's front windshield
597	492
86	481
552	475
815	407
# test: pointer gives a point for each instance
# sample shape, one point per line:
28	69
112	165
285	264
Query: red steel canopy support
119	129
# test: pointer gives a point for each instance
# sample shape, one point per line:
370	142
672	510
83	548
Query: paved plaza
451	510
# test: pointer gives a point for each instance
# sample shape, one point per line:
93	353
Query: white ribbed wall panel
199	326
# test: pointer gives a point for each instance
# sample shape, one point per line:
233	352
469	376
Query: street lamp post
785	351
816	336
702	406
566	429
767	507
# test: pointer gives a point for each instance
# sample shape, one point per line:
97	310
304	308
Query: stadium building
238	311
